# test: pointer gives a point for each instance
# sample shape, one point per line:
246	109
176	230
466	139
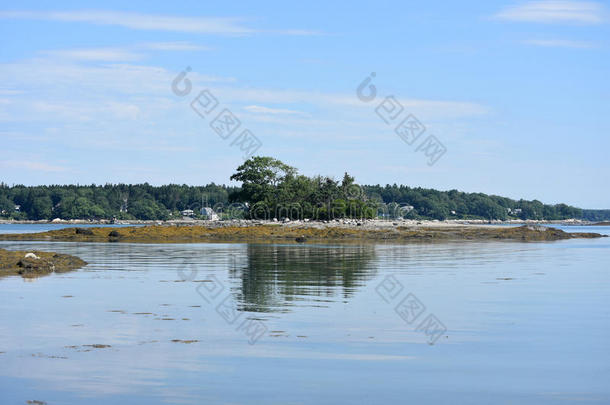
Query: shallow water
311	324
30	228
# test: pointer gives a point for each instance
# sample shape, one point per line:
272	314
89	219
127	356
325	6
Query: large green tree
260	176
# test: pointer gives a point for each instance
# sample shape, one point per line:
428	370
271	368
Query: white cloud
120	54
205	25
32	165
95	54
137	21
266	110
559	43
84	111
120	82
174	46
125	106
331	101
33	75
9	92
123	110
555	12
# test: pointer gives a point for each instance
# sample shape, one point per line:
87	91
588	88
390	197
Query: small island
304	232
33	264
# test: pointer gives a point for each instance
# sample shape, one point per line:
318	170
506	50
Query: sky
510	98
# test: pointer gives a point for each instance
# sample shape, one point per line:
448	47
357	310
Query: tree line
272	189
121	201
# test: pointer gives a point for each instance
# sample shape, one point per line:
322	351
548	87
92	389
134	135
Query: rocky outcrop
36	264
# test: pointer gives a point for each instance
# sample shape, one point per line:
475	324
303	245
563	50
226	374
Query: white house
188	213
210	214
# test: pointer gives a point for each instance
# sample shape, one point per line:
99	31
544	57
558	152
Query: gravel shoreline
369	224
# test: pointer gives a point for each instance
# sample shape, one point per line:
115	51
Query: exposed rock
36	264
83	231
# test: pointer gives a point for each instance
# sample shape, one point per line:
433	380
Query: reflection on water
274	277
527	323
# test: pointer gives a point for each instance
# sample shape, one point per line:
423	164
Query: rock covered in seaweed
35	264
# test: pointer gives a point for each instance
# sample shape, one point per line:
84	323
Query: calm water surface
526	323
30	228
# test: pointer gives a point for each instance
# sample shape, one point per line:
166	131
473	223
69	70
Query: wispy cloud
555	12
120	54
82	111
154	22
95	54
174	46
32	165
9	92
48	74
274	111
431	108
147	87
560	43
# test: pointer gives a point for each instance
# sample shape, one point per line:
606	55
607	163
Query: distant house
516	211
405	209
17	207
209	214
188	213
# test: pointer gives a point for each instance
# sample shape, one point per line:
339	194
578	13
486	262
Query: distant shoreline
249	222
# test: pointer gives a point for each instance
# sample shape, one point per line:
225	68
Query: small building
209	214
17	207
407	208
188	213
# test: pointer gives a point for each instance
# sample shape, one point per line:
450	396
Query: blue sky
517	92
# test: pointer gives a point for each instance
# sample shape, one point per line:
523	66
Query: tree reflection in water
272	278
